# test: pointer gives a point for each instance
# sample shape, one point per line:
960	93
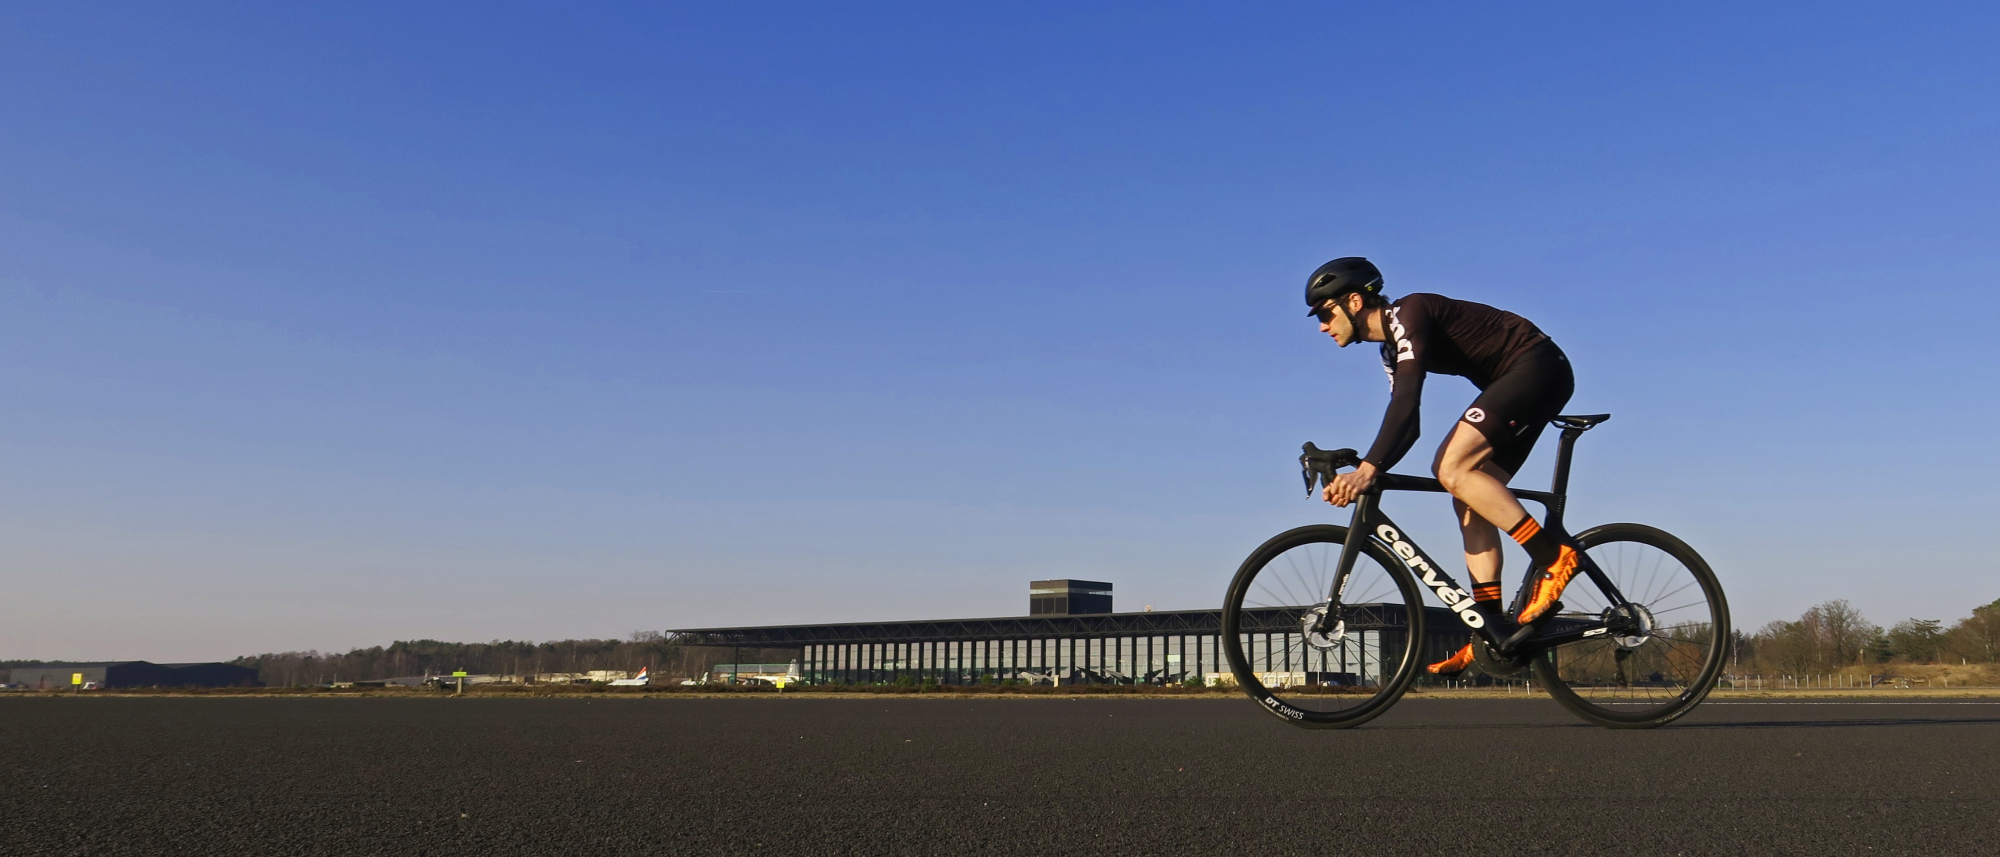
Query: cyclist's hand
1342	489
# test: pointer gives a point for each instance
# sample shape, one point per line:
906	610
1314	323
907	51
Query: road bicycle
1325	626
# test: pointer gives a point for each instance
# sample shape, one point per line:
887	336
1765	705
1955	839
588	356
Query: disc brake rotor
1633	624
1328	640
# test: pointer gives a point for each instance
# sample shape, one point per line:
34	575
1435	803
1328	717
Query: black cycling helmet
1340	276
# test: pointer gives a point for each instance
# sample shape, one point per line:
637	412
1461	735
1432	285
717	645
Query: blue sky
327	326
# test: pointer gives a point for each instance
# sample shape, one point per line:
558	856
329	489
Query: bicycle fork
1350	550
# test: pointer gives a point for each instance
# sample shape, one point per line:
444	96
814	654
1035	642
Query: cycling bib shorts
1512	411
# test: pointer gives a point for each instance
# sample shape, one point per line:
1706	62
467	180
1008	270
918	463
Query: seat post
1559	486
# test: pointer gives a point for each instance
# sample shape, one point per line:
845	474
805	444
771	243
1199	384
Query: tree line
1834	635
661	653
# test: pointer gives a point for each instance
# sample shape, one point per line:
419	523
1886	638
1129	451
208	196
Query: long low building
1121	648
134	674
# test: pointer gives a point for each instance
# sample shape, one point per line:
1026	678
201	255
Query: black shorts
1512	411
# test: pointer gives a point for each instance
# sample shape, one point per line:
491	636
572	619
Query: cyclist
1524	380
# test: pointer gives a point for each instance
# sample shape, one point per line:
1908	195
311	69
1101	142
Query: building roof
1168	622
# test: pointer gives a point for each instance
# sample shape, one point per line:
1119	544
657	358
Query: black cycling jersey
1433	333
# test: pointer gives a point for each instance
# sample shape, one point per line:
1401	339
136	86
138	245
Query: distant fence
1832	681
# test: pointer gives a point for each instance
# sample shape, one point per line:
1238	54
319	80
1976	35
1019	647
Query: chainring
1494	665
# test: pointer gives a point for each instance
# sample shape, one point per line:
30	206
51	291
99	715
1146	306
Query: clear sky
328	326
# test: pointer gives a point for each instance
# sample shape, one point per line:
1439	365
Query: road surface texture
932	776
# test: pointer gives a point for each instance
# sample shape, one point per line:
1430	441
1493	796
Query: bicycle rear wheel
1335	680
1647	678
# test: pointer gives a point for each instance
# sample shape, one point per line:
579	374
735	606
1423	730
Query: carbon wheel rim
1319	680
1671	662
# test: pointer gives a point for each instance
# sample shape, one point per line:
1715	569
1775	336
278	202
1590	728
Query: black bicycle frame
1370	522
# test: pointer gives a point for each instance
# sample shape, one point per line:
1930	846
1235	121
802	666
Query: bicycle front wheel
1345	676
1665	666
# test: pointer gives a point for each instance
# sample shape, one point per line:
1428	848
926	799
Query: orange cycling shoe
1550	587
1453	665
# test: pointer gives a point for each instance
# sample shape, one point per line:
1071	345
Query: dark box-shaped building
1068	598
136	674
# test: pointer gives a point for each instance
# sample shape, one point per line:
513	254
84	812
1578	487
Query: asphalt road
929	776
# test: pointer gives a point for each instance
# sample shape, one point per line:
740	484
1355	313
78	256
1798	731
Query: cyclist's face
1333	322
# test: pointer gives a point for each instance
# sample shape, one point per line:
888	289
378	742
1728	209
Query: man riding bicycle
1524	380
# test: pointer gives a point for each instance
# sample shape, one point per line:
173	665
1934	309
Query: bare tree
1827	637
1785	647
1842	632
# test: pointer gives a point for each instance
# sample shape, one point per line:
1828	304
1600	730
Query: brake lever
1319	466
1313	471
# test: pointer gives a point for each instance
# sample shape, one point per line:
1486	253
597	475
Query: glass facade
1164	647
1149	659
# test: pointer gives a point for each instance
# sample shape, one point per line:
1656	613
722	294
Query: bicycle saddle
1580	422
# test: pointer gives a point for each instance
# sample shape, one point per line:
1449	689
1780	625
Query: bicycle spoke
1291	598
1666	610
1315	578
1341	674
1686	626
1376	589
1655	599
1647	592
1297	576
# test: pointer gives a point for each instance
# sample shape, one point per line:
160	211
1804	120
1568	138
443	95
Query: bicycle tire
1572	674
1324	706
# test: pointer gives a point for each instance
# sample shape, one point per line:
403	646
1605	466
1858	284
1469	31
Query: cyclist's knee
1450	471
1462	452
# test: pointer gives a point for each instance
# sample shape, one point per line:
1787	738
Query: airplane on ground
640	680
790	677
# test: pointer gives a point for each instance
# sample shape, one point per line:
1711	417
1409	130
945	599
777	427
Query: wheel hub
1333	635
1631	624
